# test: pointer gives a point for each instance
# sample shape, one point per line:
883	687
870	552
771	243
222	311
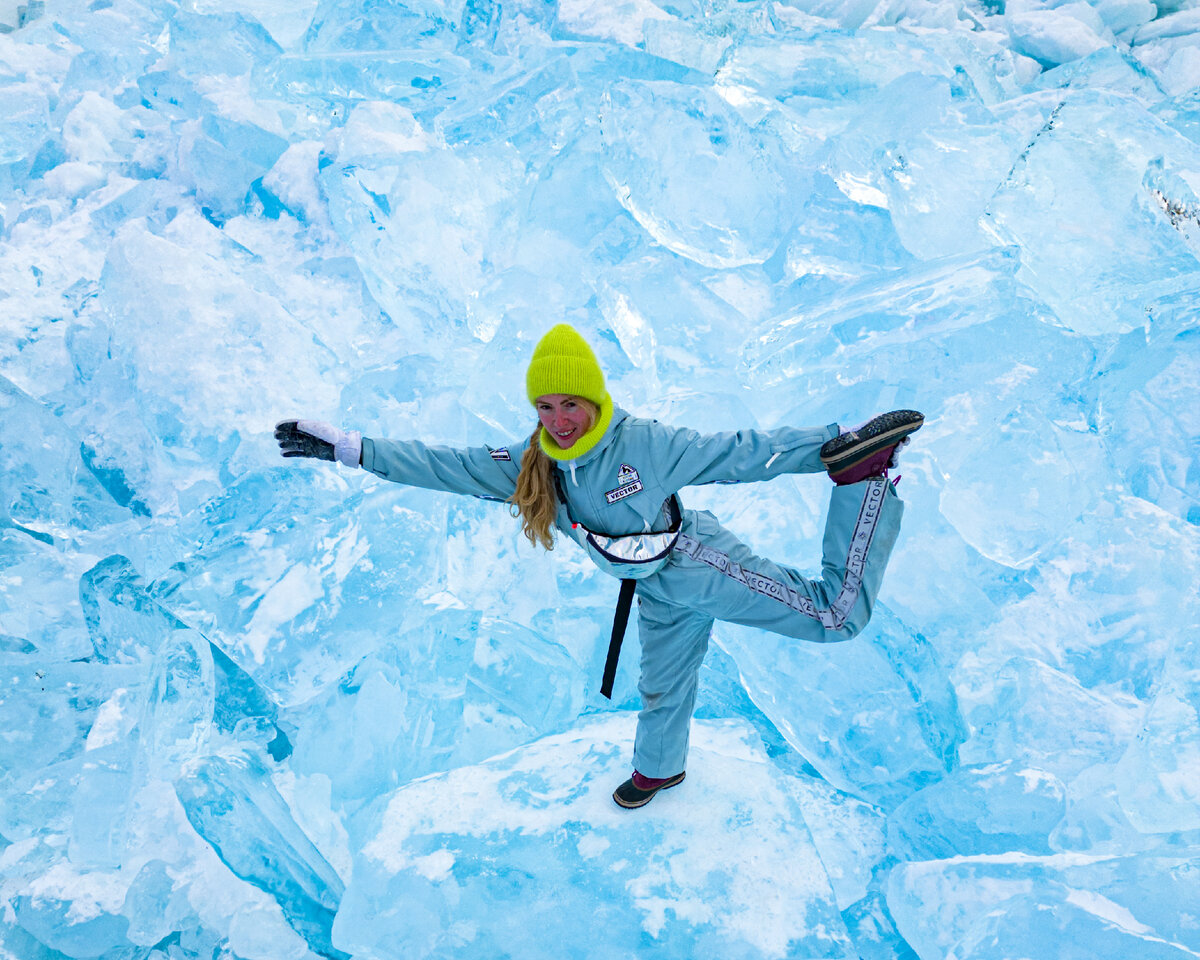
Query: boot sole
649	794
887	429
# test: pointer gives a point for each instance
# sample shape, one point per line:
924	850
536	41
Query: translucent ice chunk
1082	926
305	584
225	161
328	83
623	21
193	682
850	836
49	487
1096	271
69	916
836	223
868	322
1142	381
362	25
815	81
682	42
904	728
233	805
26	114
1175	190
203	44
21	943
292	182
1086	906
458	690
567	846
1109	68
180	285
1124	17
148	903
286	25
1159	776
979	809
654	175
1173	62
1058	35
52	707
1115	641
1016	539
427	280
1021	709
125	625
933	154
981	440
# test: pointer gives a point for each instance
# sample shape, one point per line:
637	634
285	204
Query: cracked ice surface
727	867
264	711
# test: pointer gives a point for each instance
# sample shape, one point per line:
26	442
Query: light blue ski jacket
619	486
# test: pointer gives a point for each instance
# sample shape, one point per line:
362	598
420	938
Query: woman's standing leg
674	640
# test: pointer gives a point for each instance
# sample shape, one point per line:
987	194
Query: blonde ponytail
535	500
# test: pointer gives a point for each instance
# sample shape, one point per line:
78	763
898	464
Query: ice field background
280	711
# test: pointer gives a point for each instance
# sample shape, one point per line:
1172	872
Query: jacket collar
618	416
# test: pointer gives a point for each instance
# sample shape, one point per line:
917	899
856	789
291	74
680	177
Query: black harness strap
620	619
624	599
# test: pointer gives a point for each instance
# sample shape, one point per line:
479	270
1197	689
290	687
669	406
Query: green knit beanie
564	363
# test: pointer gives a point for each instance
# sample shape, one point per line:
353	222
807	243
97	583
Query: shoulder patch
500	453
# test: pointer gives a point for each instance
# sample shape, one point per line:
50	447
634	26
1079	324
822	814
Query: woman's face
564	418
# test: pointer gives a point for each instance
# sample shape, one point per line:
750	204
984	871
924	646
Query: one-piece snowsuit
620	487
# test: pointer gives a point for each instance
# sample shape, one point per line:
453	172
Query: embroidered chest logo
500	454
628	483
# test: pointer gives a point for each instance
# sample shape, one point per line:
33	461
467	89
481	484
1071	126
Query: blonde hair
535	500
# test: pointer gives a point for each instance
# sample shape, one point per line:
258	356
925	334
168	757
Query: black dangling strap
620	619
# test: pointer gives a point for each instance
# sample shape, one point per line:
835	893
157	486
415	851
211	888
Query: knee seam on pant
837	613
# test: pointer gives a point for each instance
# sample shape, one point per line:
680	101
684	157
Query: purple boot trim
648	783
869	449
875	465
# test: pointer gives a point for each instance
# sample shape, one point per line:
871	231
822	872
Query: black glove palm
294	442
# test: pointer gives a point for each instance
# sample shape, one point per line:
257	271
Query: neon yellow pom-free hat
564	363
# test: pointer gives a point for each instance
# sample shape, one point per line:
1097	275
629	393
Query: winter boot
870	449
638	791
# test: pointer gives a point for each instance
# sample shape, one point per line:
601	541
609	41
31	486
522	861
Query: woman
610	482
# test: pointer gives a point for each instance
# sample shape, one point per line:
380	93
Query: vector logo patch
628	483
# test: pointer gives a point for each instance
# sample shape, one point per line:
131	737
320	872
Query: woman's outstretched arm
474	471
686	457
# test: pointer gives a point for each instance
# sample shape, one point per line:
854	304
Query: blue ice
280	711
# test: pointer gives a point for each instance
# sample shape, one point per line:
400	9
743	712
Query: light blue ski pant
714	576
